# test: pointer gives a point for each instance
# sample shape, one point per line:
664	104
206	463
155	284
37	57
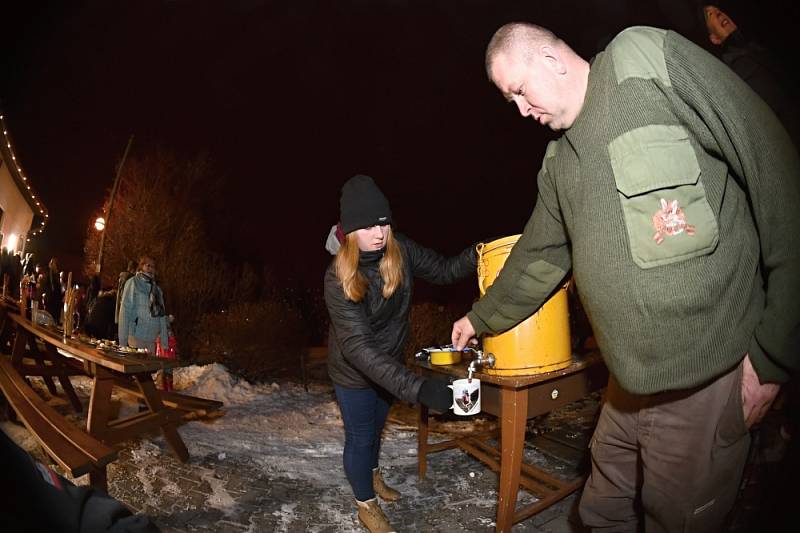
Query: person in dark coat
750	60
368	294
124	276
54	298
38	499
99	321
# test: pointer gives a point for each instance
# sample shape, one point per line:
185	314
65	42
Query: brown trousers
671	461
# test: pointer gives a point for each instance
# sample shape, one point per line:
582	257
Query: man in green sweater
673	195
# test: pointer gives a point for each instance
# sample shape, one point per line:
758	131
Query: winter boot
383	490
371	517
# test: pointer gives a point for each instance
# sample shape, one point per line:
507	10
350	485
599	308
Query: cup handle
453	405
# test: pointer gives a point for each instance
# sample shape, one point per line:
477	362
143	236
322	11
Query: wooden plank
579	364
74	450
63	377
98	452
126	364
173	399
558	495
36	355
153	400
136	425
99	405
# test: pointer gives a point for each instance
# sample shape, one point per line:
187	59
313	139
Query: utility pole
111	204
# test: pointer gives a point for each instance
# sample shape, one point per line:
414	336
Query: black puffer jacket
367	338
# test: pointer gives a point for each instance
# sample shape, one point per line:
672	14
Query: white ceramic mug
466	396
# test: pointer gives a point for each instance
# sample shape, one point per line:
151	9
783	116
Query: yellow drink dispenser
539	344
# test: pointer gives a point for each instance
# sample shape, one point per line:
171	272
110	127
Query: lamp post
102	223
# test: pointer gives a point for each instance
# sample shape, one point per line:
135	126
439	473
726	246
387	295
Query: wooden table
65	357
515	399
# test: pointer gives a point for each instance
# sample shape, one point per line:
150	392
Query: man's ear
552	58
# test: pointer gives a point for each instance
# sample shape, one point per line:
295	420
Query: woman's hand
436	394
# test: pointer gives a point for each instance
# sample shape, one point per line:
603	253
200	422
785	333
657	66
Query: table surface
579	362
133	363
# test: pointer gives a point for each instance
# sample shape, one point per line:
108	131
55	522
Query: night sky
290	99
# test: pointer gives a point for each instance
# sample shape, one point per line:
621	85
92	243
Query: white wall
17	214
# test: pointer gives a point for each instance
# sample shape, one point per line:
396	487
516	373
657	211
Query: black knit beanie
363	205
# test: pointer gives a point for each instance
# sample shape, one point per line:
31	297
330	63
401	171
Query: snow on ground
273	462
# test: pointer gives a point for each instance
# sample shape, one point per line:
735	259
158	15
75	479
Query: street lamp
97	223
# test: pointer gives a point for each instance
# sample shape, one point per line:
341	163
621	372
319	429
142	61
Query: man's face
534	84
719	25
372	238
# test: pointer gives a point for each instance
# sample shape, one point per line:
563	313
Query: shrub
255	340
431	325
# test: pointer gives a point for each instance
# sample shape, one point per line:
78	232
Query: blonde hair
353	282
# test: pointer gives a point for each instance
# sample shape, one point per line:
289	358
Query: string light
41	208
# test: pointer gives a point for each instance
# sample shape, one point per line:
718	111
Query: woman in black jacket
368	293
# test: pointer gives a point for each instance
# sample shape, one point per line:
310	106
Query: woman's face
372	238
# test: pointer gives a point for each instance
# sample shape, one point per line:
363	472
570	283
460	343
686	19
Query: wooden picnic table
129	372
515	399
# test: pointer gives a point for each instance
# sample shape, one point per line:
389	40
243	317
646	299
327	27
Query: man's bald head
518	38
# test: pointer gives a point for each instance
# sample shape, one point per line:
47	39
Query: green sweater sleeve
537	263
763	161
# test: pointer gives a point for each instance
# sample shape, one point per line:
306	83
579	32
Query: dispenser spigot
480	359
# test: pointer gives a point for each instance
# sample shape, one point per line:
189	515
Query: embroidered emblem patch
670	221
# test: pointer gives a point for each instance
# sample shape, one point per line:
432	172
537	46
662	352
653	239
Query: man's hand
756	398
463	332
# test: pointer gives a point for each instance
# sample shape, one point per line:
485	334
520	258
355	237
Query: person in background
62	280
5	265
54	298
142	318
15	274
28	264
92	292
672	197
368	295
124	276
36	287
750	60
99	321
42	500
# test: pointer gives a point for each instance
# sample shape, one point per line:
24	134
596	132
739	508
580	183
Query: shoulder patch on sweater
551	150
638	52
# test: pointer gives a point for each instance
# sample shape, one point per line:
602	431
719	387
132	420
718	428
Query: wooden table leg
98	478
100	403
153	400
422	440
513	416
37	356
18	350
63	377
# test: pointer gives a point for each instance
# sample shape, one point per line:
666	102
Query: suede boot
371	517
383	490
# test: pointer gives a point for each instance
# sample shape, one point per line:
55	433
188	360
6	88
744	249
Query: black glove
436	394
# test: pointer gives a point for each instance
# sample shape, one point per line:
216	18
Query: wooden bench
75	450
197	407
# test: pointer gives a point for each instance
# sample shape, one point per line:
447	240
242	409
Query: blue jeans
364	414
